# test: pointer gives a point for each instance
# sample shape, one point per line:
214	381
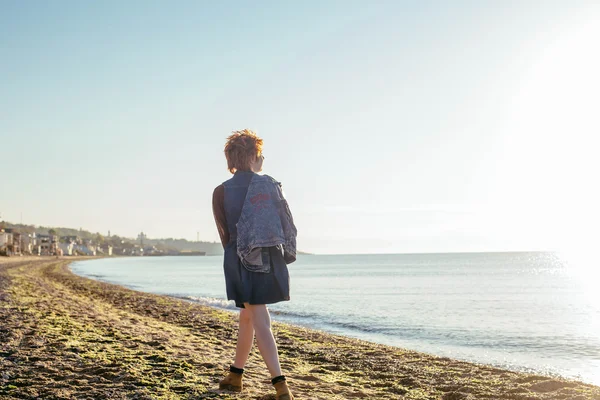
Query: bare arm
218	204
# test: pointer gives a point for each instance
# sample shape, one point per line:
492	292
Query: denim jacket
265	221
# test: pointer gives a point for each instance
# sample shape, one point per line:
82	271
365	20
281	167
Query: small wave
433	335
209	301
104	278
300	318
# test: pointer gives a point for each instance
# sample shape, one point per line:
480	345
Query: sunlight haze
394	126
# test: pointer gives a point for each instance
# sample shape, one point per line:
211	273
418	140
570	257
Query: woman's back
234	194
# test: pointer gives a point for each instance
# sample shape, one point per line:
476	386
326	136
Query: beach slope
64	336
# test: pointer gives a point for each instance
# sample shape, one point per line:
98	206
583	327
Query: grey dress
244	286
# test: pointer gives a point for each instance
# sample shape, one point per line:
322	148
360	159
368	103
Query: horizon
301	252
395	128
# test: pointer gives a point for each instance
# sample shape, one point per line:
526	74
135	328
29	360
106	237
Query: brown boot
232	382
283	392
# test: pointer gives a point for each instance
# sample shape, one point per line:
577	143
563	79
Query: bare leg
264	337
245	338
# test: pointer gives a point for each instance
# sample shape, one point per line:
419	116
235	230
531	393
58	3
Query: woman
250	289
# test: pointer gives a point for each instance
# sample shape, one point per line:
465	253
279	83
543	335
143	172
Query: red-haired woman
250	290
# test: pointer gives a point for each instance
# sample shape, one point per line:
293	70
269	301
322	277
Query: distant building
28	243
150	251
86	250
141	237
6	239
10	242
16	249
70	239
106	250
47	245
67	248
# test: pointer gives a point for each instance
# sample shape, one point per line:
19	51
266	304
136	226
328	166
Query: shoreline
276	318
64	335
527	355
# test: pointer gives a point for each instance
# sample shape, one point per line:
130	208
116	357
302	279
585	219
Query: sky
394	126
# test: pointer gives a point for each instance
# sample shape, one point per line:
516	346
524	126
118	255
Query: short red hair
241	149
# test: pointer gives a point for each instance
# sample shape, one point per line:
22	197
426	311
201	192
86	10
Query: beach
65	336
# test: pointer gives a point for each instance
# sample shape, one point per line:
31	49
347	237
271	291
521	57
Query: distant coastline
69	241
86	243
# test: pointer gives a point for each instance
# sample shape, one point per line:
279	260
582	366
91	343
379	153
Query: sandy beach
63	336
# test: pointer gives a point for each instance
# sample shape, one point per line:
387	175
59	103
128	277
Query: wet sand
63	337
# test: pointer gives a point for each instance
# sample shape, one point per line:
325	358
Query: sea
535	312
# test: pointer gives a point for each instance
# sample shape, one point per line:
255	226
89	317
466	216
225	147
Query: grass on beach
63	336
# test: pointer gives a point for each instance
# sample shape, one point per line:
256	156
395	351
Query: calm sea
532	312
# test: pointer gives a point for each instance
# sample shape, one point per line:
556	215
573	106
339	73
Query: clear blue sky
395	126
